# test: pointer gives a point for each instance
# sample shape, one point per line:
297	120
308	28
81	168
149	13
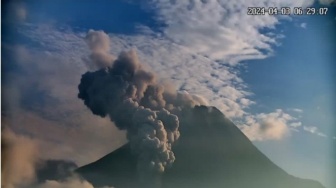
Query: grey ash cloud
131	96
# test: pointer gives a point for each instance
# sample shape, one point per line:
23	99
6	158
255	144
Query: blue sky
300	75
259	71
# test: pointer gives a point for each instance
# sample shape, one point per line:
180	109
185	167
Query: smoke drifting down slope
134	99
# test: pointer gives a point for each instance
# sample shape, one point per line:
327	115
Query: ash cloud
99	44
134	99
54	170
22	167
18	159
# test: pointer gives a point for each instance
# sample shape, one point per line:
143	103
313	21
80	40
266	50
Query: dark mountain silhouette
211	152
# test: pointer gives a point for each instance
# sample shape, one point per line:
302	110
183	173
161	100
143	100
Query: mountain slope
211	152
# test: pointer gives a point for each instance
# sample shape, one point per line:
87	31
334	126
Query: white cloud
222	30
310	129
296	124
246	102
321	134
296	110
314	130
271	126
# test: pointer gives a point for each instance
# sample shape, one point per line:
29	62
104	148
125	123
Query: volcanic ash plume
133	99
99	44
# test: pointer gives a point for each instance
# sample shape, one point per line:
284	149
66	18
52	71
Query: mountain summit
211	152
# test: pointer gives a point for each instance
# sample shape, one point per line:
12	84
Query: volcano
211	152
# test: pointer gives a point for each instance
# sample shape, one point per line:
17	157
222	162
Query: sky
273	76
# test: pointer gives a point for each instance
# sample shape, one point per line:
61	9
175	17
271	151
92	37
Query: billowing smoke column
133	99
99	45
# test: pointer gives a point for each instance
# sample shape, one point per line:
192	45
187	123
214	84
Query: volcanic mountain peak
211	152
